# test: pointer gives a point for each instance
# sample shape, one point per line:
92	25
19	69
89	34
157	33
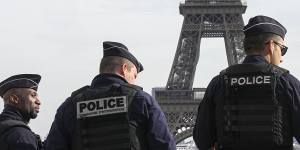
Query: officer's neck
15	113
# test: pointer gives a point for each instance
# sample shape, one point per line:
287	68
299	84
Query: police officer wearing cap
21	103
112	113
256	104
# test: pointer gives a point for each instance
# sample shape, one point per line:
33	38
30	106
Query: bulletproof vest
252	115
7	125
103	121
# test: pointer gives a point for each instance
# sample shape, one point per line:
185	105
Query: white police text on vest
250	80
102	106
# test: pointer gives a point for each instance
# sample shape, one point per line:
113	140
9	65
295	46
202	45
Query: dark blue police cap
264	24
118	49
20	81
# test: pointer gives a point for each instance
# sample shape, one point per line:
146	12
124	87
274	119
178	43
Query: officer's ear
13	99
269	47
268	51
124	68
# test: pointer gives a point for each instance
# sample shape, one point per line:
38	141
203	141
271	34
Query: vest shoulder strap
251	68
130	89
135	87
278	70
77	92
125	87
7	125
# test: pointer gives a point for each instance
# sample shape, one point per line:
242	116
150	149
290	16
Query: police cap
20	81
118	49
264	24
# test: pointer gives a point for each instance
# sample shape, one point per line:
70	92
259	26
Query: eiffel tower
202	19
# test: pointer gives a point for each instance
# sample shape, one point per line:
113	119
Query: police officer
21	103
256	104
112	113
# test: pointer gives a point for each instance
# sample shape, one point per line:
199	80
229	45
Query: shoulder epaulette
5	125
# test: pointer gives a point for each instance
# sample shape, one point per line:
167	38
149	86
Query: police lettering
101	106
249	80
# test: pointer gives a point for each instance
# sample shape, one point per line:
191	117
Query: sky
62	41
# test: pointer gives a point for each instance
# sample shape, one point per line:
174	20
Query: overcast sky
62	41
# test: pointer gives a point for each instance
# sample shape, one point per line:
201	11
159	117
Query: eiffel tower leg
234	47
186	57
234	39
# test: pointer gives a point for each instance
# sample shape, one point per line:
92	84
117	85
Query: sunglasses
282	47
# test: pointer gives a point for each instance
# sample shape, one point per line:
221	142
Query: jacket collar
108	79
11	112
254	59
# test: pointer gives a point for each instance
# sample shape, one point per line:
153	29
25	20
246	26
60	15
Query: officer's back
254	105
111	113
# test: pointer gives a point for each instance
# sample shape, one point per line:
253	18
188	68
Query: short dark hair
110	64
257	43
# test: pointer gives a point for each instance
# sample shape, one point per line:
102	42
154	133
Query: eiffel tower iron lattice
202	19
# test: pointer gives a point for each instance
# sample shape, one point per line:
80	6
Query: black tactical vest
254	116
7	125
103	122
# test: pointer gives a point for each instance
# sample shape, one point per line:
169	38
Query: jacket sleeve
204	133
158	134
59	137
294	93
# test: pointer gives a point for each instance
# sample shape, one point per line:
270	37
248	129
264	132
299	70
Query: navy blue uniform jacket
205	128
146	108
17	138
